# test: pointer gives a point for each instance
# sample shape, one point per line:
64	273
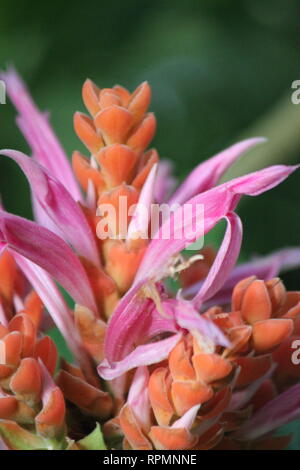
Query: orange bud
270	333
24	325
239	337
140	100
90	96
84	172
211	367
8	274
132	430
123	263
50	421
277	293
91	330
147	161
187	394
87	397
124	94
159	394
45	349
239	291
108	97
179	362
13	348
34	308
117	163
26	383
114	123
256	303
143	134
87	133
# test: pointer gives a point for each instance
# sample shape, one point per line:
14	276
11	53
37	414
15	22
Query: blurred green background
219	69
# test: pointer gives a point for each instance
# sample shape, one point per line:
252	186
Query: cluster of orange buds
117	135
227	384
32	407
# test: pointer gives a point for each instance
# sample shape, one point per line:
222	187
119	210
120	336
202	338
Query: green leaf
94	441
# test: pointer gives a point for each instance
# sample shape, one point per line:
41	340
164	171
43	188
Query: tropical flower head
204	367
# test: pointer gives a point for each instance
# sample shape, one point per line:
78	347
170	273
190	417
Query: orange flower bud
87	133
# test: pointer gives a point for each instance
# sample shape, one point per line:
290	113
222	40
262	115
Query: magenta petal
139	223
134	321
59	206
260	181
165	182
187	420
127	323
224	261
207	174
276	413
54	302
144	355
265	268
189	318
50	252
217	203
138	397
39	134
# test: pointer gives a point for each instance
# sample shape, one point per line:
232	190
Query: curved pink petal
138	397
39	134
139	223
143	355
165	181
54	302
265	268
276	413
224	261
50	252
189	318
217	203
207	174
59	206
187	420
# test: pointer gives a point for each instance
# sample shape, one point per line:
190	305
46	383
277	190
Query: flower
195	370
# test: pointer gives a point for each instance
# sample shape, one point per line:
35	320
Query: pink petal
144	355
276	413
50	252
187	420
207	174
164	181
189	318
224	261
265	268
39	134
59	206
54	302
139	223
138	398
217	203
